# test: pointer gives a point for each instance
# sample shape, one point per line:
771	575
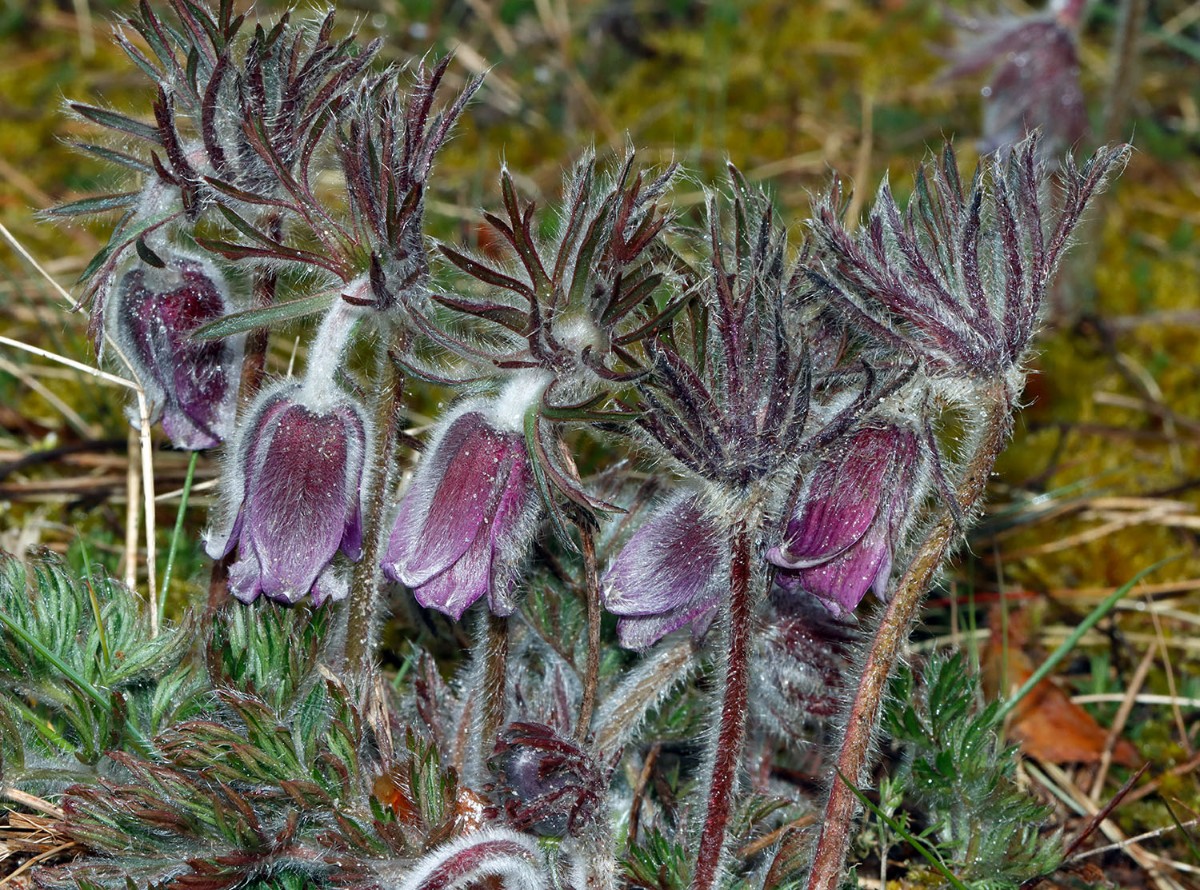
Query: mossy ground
1103	476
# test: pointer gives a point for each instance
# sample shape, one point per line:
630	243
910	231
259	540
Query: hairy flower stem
732	727
829	856
495	683
591	581
368	573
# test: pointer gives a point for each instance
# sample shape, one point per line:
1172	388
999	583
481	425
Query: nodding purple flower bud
673	571
191	386
467	518
293	496
840	540
1035	79
547	784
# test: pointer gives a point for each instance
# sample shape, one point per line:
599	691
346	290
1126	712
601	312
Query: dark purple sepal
467	518
191	386
841	537
295	500
672	572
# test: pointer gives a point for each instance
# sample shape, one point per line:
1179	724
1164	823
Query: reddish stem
732	730
837	826
495	683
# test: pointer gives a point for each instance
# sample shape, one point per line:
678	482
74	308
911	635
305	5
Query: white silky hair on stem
643	689
514	858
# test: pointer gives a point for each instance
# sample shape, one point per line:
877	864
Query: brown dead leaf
1047	724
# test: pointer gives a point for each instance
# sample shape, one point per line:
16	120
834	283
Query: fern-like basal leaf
961	775
658	863
80	671
267	650
233	798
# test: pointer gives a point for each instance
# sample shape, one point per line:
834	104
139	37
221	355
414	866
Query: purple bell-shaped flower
468	516
840	540
191	386
293	496
673	571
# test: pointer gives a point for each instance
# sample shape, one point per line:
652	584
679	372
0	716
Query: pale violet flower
672	572
468	516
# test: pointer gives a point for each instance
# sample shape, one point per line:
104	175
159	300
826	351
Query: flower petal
244	577
297	503
674	559
249	450
845	579
459	586
840	502
640	632
446	506
511	533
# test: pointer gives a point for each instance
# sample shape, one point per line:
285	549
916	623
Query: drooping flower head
292	496
199	152
740	391
852	508
191	386
673	571
468	516
571	307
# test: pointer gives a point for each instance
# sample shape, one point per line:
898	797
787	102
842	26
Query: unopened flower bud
547	784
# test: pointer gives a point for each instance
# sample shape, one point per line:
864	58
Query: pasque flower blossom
191	386
840	540
468	515
673	571
292	496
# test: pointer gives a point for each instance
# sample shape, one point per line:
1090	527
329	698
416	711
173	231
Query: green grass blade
71	674
175	535
1076	635
931	857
